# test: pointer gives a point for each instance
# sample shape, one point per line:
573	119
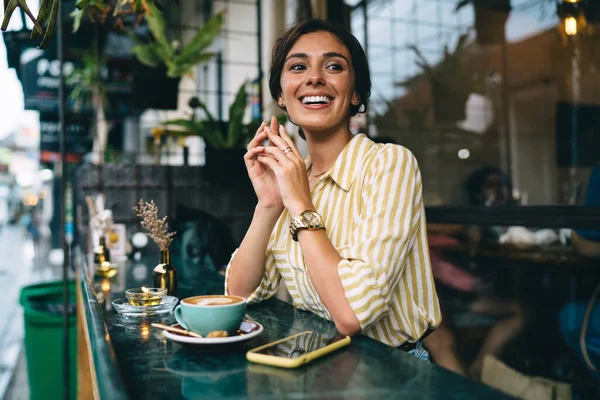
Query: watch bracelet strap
302	228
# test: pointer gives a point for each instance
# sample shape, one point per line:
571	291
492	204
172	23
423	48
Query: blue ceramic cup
204	314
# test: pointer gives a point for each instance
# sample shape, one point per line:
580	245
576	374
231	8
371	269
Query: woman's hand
285	161
262	178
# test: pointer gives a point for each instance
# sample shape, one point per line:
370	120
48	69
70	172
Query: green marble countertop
133	360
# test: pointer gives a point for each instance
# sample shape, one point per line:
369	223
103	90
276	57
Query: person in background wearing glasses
345	229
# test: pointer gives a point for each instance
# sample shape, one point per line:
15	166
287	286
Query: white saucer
248	330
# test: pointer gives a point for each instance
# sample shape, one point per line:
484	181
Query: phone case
284	362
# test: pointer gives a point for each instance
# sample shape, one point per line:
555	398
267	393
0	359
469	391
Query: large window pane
515	91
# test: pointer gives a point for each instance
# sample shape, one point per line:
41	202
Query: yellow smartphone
296	350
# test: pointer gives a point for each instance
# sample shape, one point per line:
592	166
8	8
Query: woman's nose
315	78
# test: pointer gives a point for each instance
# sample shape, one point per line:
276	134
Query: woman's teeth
316	100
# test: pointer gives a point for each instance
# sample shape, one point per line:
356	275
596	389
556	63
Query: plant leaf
146	54
156	24
83	4
208	131
202	39
42	18
207	113
193	127
236	116
51	24
460	43
177	68
77	16
461	4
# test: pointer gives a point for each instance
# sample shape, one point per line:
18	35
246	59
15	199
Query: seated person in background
587	243
466	287
204	241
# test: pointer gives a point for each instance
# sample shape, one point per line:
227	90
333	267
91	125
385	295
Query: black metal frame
574	217
62	188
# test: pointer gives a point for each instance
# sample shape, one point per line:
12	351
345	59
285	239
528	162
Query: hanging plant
44	25
162	52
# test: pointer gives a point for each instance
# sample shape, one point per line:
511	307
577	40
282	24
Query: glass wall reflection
513	85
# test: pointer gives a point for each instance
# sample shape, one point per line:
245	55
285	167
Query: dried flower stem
158	229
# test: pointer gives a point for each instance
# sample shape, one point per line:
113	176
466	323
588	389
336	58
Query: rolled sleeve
268	284
374	261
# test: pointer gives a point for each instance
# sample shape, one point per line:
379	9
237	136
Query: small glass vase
165	274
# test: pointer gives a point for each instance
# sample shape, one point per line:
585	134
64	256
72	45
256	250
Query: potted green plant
225	141
452	80
490	19
86	81
168	61
178	60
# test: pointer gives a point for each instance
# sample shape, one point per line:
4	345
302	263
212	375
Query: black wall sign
78	129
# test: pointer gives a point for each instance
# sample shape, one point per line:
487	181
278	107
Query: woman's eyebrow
330	54
297	55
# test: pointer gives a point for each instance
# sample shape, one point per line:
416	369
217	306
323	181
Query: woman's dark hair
475	181
362	77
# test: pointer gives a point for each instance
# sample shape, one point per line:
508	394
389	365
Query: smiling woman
345	229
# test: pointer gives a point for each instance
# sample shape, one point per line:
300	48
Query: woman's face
495	190
317	82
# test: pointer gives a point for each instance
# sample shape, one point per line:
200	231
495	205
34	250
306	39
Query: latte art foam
213	300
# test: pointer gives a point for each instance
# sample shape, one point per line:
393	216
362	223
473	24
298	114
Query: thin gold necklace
316	175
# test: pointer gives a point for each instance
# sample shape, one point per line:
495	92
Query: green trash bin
43	308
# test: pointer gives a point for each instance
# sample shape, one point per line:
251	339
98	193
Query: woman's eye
297	67
336	67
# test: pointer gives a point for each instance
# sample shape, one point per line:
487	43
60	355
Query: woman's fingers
253	152
274	126
283	134
251	155
277	141
277	154
269	162
259	136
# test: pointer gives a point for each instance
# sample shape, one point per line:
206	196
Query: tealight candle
106	269
145	296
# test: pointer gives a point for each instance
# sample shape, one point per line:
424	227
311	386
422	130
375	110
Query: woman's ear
355	99
281	102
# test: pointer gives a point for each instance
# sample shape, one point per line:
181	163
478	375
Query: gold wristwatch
308	219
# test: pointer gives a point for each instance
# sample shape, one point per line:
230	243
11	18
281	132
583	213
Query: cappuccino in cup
204	314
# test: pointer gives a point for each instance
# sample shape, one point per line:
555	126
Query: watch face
312	219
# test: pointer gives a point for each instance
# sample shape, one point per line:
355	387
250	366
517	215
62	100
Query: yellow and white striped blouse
372	207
